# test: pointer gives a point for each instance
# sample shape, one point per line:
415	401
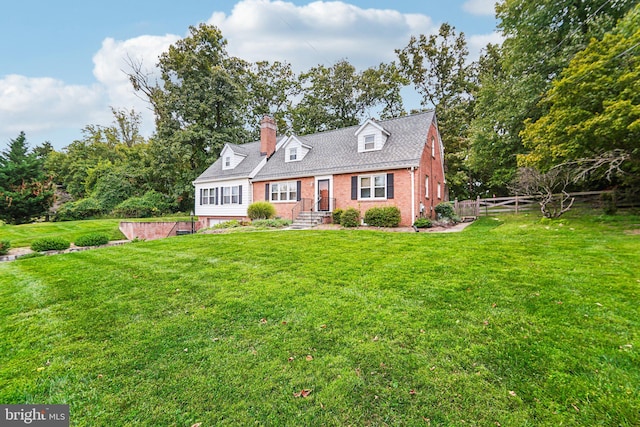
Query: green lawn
23	235
513	322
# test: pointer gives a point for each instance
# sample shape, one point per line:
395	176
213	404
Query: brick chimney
267	136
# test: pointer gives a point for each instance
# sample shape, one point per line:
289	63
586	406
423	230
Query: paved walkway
18	252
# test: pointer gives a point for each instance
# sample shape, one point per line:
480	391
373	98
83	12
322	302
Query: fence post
477	206
516	203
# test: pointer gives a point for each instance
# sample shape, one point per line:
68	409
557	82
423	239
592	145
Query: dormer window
227	161
295	150
371	136
369	142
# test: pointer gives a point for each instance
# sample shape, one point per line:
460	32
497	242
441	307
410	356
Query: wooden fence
516	204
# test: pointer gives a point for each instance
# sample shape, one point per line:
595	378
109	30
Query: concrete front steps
309	220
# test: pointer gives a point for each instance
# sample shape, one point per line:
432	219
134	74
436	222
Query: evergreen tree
25	193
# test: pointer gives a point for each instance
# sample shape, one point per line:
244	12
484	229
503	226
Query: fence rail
516	204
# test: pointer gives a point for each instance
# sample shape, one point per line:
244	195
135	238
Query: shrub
227	224
80	209
350	218
261	210
50	244
445	210
93	239
335	216
271	223
5	245
423	223
150	204
387	216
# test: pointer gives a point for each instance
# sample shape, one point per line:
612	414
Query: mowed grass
513	322
23	235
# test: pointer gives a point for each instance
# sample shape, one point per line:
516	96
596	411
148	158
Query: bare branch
608	164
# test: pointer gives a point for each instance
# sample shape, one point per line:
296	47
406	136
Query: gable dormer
371	136
230	159
295	150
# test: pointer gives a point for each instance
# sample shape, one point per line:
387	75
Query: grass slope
514	322
23	235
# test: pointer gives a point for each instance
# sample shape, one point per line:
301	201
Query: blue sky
61	61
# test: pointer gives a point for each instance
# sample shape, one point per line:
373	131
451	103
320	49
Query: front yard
514	321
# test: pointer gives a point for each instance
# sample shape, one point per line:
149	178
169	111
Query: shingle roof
333	152
252	152
337	151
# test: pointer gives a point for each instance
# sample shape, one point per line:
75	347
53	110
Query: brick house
396	162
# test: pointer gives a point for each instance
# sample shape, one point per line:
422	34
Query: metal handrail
302	203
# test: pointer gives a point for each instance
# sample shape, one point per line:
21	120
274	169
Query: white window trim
292	154
439	191
426	186
290	185
373	142
373	187
433	147
230	195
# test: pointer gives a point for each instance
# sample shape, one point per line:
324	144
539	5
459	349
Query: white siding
380	137
228	209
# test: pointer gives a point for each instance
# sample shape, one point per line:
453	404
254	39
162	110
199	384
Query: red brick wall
432	167
402	194
283	209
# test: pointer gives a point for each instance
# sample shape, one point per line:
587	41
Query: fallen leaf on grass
412	392
598	304
575	407
376	338
197	425
263	320
303	393
291	359
432	368
309	358
512	393
559	302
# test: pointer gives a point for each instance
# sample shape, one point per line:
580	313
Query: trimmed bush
149	205
50	244
5	245
350	218
93	239
335	216
271	223
445	210
423	223
387	216
261	210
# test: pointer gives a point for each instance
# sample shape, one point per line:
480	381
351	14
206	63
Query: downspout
413	195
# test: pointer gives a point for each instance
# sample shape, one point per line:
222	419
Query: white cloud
317	33
38	105
480	7
112	63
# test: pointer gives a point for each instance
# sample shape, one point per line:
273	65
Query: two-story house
379	163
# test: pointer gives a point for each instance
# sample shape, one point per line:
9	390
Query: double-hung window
293	154
204	196
284	191
369	142
373	186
